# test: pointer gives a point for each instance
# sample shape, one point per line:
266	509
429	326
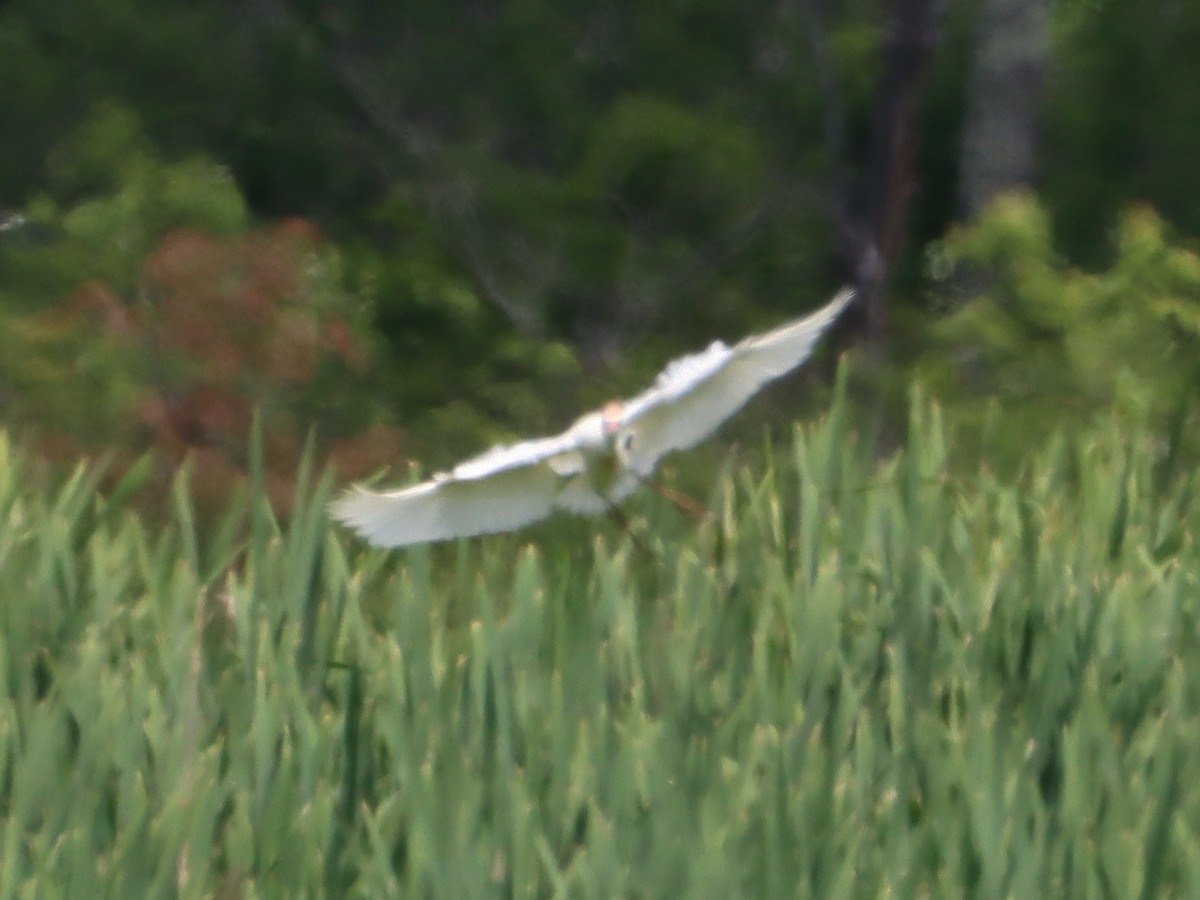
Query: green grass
857	679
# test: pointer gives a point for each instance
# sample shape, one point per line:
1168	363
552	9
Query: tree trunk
878	236
999	142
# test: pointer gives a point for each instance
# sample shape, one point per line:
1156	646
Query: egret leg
685	503
623	521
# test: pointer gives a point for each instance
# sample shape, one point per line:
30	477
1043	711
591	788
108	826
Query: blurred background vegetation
423	228
399	232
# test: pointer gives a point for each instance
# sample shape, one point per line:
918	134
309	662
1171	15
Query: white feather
694	395
501	489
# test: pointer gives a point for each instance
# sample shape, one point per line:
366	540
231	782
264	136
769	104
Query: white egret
599	460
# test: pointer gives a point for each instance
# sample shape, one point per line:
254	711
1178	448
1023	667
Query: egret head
611	416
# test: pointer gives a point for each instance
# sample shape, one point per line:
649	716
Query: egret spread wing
499	490
695	394
587	468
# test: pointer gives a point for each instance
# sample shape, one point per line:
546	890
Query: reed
859	677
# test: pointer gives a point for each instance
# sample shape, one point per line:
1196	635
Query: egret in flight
598	461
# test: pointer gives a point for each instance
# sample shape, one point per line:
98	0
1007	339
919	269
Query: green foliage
571	263
856	679
1120	126
1054	345
453	371
110	199
139	310
320	113
656	160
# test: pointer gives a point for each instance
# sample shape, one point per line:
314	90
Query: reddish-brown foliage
220	327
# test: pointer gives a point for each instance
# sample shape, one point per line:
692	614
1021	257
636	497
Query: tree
1057	345
145	313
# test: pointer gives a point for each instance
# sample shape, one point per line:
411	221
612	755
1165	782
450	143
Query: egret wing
695	394
499	490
